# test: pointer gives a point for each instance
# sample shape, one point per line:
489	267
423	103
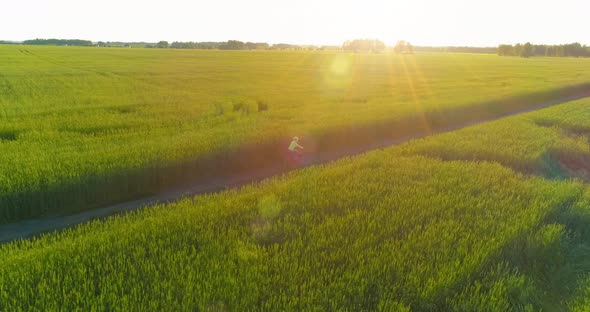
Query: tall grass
404	228
84	127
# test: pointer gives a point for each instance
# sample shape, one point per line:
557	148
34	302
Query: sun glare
341	64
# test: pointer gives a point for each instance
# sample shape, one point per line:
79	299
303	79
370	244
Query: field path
29	228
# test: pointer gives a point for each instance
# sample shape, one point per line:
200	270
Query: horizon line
276	43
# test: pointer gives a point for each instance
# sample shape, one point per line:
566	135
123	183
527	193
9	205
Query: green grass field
494	217
84	127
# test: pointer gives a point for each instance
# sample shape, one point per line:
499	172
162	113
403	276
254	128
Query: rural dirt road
29	228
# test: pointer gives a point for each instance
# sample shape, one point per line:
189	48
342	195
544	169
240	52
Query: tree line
376	46
528	50
364	45
358	45
485	50
121	44
225	45
59	42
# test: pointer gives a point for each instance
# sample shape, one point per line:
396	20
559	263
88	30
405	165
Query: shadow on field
563	163
545	266
551	261
6	135
539	269
249	163
556	163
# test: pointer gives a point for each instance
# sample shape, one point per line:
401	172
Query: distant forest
227	45
59	42
488	50
528	50
357	45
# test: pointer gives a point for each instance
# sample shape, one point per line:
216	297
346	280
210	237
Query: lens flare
341	64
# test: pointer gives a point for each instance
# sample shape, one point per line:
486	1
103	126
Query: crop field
85	127
494	217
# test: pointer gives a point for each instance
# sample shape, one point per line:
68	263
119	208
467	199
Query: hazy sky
422	22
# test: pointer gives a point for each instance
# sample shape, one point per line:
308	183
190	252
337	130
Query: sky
317	22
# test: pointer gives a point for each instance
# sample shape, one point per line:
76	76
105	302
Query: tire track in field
32	227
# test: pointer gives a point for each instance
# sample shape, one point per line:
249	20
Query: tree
505	50
517	49
403	47
399	47
560	51
256	45
550	51
539	50
527	50
233	45
283	46
162	45
364	45
576	49
59	42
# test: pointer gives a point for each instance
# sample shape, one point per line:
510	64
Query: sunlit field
494	217
85	127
